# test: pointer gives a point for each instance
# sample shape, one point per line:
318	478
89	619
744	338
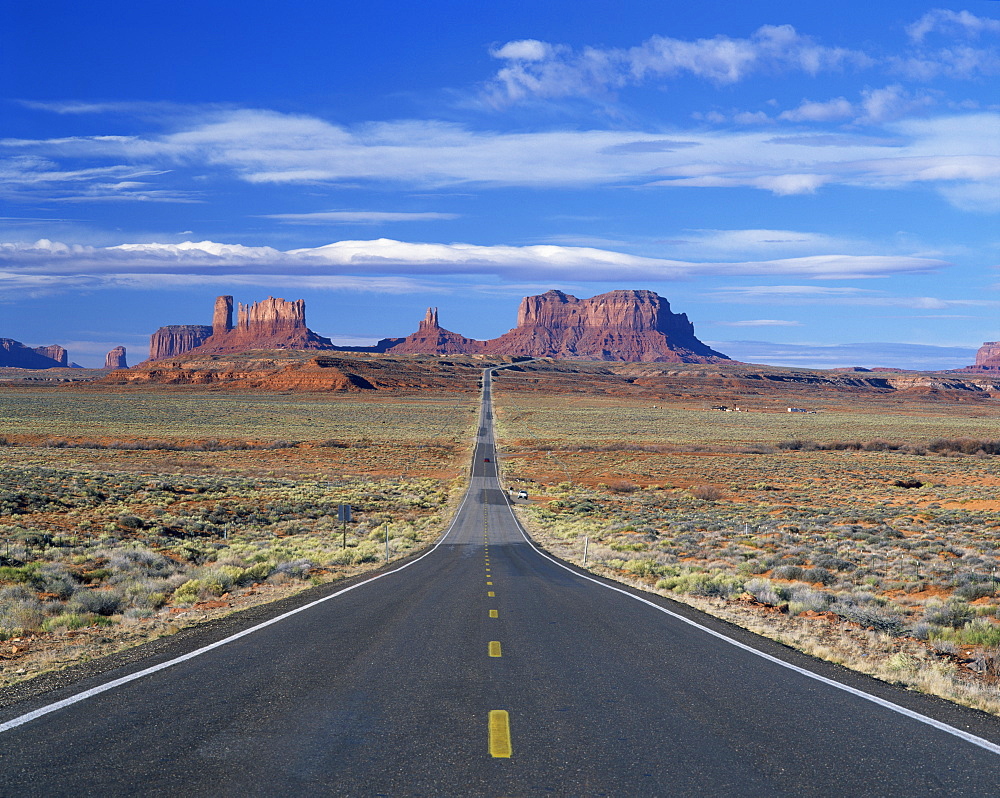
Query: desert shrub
953	613
708	493
801	599
979	632
67	621
830	561
787	572
751	567
98	602
299	569
622	486
20	610
55	578
763	591
188	592
703	584
972	586
821	575
869	615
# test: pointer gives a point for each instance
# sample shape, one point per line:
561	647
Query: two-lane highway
487	668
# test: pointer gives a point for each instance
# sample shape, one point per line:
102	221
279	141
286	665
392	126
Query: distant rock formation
619	325
272	324
56	352
431	339
222	318
616	326
14	353
116	359
987	358
634	326
176	339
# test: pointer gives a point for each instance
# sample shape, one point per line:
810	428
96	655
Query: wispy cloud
536	69
959	155
359	217
826	295
380	265
759	323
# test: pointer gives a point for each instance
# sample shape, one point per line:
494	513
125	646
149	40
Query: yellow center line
500	734
489	583
494	613
491	594
495	648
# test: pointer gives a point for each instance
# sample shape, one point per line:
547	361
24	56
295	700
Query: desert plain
855	517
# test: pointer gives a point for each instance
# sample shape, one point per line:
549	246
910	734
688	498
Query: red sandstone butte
116	359
432	339
987	358
272	324
176	339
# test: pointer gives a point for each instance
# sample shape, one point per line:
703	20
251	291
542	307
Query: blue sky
813	185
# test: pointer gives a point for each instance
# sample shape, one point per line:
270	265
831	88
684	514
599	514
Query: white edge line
102	688
937	724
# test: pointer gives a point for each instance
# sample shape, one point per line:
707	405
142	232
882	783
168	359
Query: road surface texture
487	668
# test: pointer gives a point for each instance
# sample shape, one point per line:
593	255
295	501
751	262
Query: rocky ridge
14	353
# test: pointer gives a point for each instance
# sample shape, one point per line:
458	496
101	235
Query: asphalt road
394	687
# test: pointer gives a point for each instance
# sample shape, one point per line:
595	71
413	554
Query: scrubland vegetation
868	538
126	516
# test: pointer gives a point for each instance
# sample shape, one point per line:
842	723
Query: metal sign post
344	516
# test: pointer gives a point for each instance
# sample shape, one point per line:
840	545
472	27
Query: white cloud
941	20
386	265
831	110
358	217
523	50
540	70
264	147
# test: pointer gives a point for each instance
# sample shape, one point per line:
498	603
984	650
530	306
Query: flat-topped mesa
987	358
431	339
56	352
176	339
632	325
15	354
116	359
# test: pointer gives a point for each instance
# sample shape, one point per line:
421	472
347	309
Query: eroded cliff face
635	326
176	339
116	359
55	352
272	324
15	354
987	358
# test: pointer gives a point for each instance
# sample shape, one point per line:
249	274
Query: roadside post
344	517
387	541
586	545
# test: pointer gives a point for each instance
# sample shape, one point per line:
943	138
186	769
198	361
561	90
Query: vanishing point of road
486	667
